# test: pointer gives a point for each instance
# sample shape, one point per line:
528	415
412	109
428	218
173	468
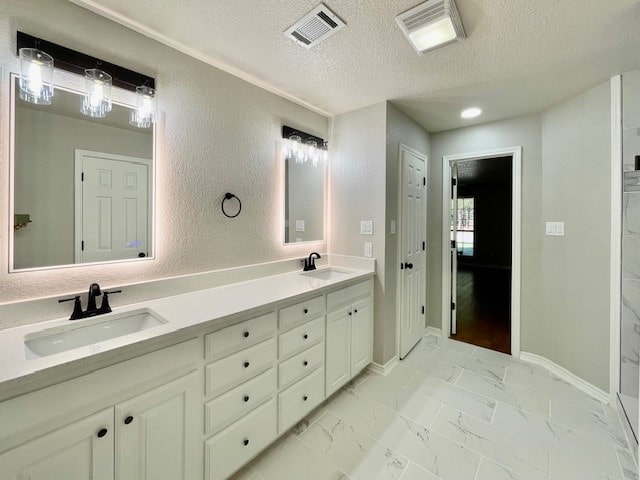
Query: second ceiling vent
319	24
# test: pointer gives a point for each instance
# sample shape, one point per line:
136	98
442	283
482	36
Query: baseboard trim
567	376
436	332
382	369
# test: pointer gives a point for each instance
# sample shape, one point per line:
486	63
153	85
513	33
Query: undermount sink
81	333
327	274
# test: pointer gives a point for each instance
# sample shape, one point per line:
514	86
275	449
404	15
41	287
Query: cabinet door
80	451
361	336
157	433
338	356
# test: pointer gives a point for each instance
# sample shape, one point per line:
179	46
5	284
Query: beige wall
216	133
566	177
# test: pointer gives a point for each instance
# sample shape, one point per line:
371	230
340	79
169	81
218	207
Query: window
465	237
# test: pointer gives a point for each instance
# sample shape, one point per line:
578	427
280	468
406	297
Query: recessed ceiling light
471	112
431	25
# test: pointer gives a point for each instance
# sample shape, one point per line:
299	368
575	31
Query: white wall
216	134
566	177
358	193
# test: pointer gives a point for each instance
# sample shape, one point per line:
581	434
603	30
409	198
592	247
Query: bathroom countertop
186	314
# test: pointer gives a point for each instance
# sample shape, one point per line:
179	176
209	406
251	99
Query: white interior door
113	203
412	250
454	246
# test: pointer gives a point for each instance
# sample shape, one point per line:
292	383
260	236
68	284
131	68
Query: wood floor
484	308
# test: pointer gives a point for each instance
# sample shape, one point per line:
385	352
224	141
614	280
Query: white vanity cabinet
152	435
82	450
349	334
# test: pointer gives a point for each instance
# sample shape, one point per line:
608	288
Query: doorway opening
481	251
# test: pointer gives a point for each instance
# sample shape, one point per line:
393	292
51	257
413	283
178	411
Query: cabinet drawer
300	398
300	364
235	403
301	336
301	311
348	295
240	366
233	447
237	336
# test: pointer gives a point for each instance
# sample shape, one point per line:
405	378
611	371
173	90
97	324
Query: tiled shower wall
630	341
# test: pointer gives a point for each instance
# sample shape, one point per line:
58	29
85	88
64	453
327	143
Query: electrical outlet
555	229
299	225
368	249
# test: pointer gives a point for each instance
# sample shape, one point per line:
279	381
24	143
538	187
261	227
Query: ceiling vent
319	24
432	25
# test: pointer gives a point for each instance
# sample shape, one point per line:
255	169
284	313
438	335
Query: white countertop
184	313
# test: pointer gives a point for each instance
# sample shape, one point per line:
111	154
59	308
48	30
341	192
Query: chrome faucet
310	263
92	310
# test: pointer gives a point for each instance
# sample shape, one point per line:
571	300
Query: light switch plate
299	225
393	227
366	227
368	249
555	229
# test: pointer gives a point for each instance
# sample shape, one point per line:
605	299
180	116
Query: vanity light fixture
431	25
36	79
145	113
36	76
303	147
97	93
471	112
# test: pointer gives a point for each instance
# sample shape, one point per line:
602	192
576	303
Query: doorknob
408	266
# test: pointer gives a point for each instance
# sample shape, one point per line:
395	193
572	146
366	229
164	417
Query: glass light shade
433	34
312	152
145	113
325	156
295	149
97	93
36	76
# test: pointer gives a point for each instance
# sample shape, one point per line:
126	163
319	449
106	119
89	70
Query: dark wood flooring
484	307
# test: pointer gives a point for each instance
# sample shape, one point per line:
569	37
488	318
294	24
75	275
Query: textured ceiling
521	55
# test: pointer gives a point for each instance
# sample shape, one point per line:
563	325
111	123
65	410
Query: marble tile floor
452	411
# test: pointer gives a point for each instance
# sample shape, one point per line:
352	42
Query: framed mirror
305	200
81	188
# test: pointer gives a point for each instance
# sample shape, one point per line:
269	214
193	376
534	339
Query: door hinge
423	310
454	182
424	245
82	177
453	244
82	245
453	306
424	181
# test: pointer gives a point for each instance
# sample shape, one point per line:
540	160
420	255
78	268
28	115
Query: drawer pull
246	398
246	334
246	442
102	432
128	420
305	336
306	310
305	363
305	398
246	364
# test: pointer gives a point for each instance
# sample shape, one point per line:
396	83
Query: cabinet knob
246	364
306	310
246	398
305	363
350	313
102	432
305	336
305	398
355	311
246	334
245	442
128	420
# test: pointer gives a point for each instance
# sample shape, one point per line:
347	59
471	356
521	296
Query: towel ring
229	196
